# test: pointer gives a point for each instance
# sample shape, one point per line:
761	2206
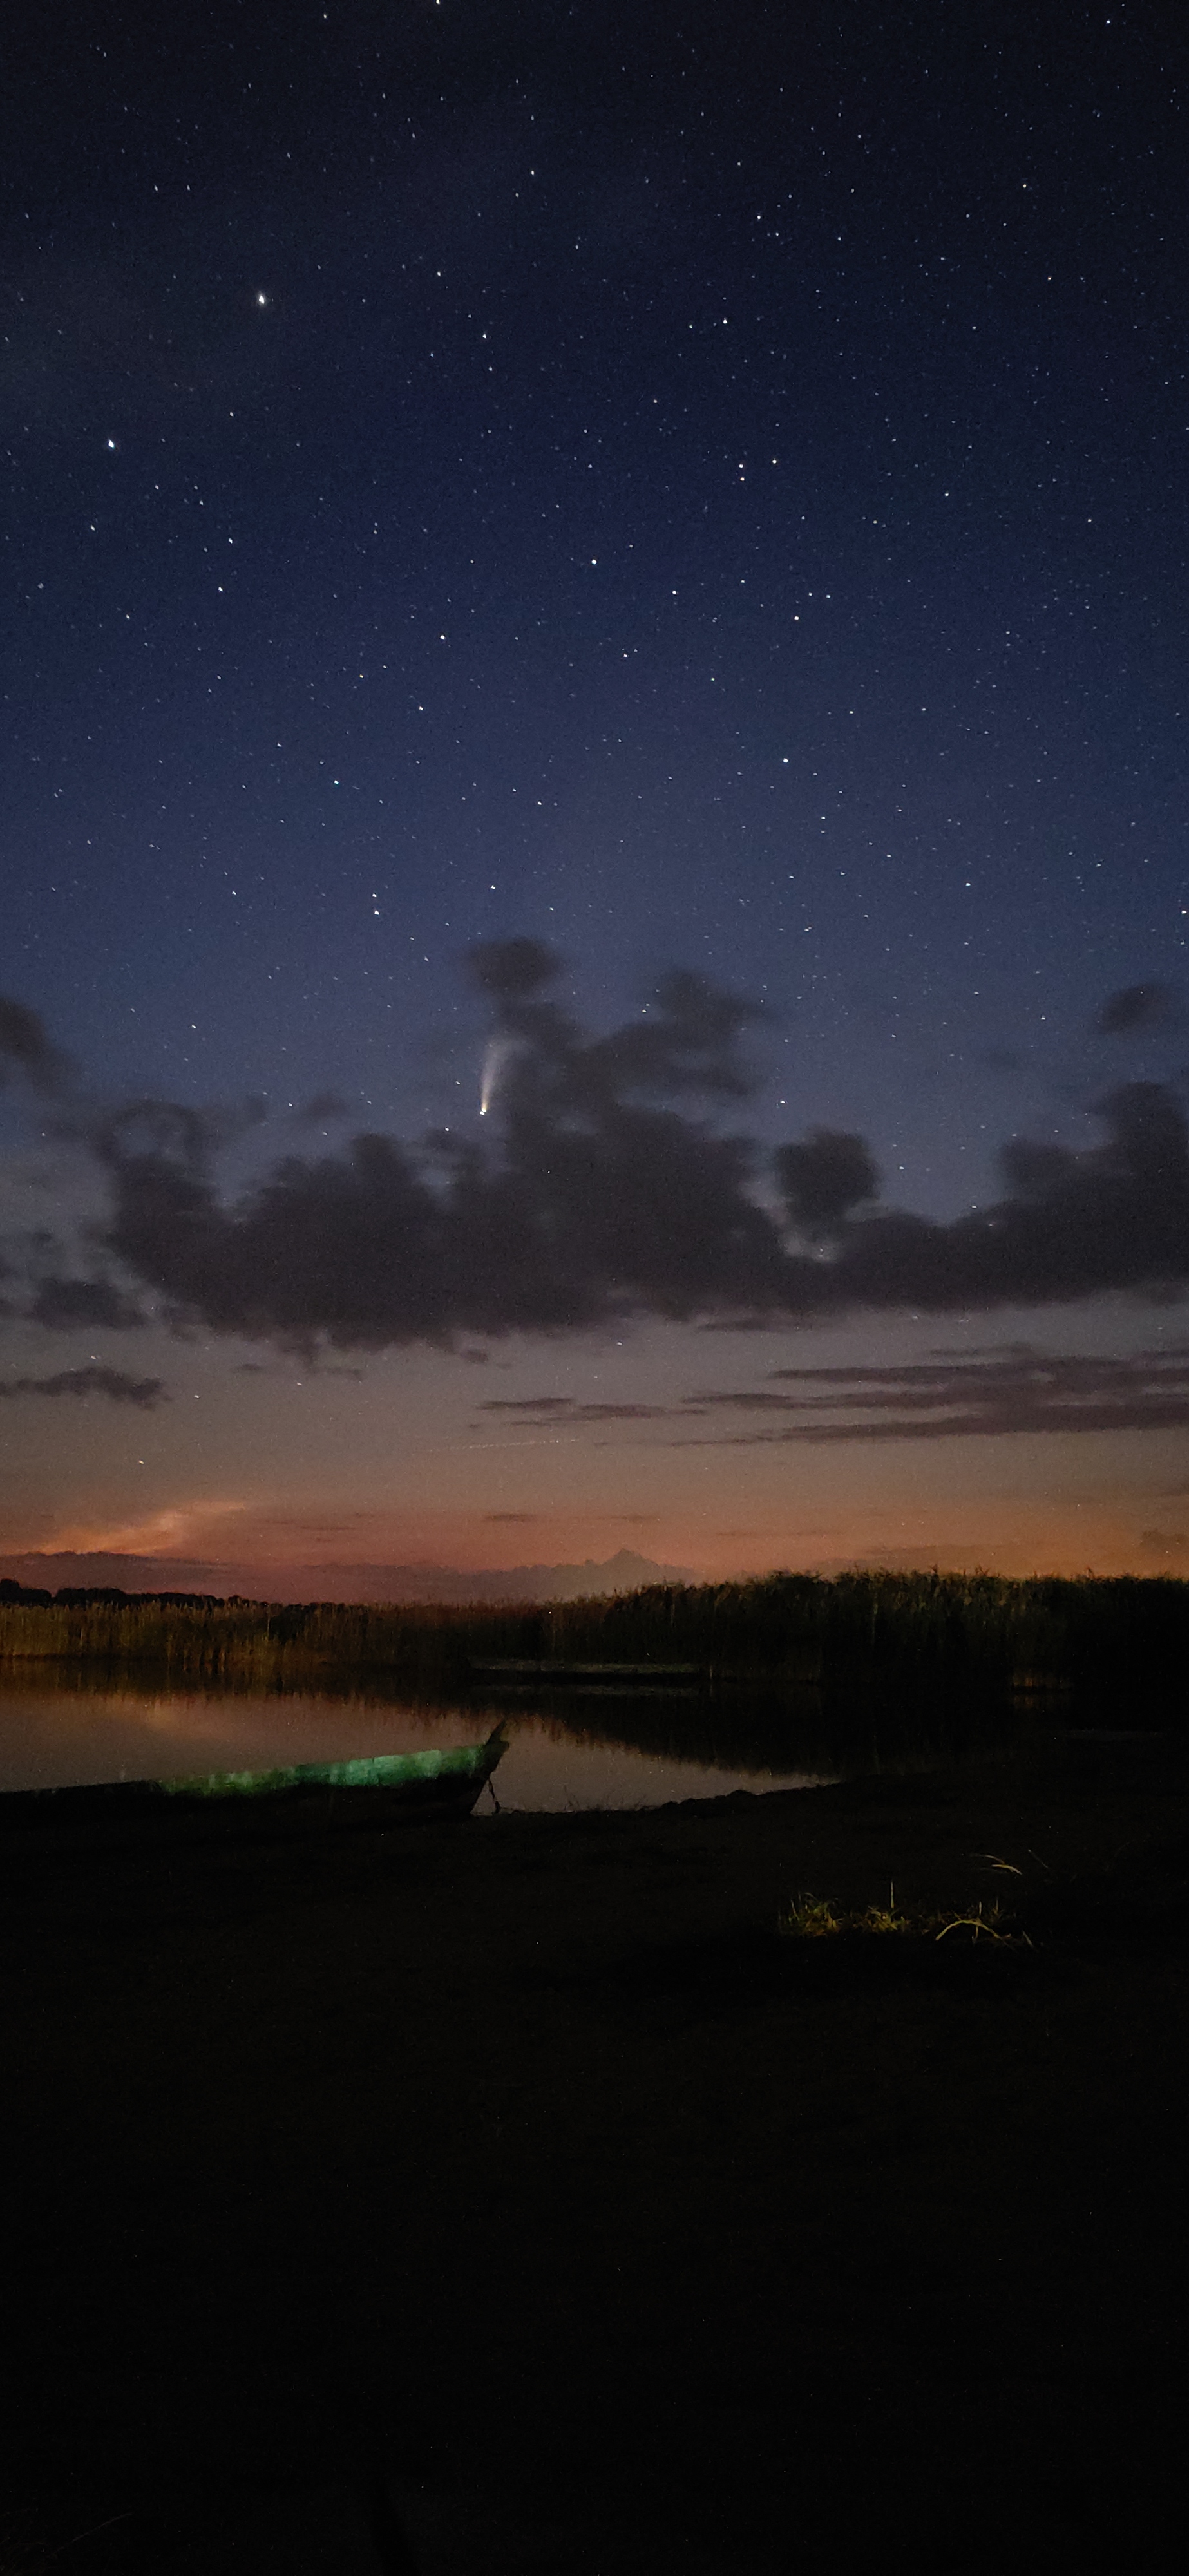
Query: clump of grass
25	2549
813	1918
21	2549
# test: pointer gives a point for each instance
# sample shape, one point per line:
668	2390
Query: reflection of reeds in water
800	1730
758	1728
864	1638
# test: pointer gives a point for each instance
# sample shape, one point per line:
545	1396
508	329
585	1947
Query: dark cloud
324	1107
91	1305
1070	1225
25	1049
738	1323
1012	1390
187	1137
538	1407
603	1188
1019	1391
1135	1007
514	971
595	1202
114	1383
685	1040
824	1179
549	1408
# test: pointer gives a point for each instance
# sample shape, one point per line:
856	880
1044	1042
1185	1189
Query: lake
63	1738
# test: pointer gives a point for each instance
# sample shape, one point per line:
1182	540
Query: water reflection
54	1738
567	1748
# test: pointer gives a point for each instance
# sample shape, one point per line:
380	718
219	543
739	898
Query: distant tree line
75	1596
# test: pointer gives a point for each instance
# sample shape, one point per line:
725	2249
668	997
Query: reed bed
1118	1642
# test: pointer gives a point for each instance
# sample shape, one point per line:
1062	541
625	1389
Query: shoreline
520	2165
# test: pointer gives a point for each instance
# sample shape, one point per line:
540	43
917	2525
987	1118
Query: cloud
825	1179
1017	1392
536	1408
25	1049
603	1188
319	1111
596	1199
1133	1008
550	1408
1008	1390
686	1039
88	1304
167	1529
114	1383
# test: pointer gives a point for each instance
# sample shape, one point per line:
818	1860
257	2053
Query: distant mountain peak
623	1572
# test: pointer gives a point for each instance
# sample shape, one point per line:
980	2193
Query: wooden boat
378	1789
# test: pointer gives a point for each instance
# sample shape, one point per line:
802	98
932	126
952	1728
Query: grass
25	2550
811	1918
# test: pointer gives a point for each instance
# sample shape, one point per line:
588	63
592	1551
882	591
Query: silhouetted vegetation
1120	1643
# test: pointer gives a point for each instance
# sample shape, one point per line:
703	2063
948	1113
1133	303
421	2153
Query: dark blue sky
682	486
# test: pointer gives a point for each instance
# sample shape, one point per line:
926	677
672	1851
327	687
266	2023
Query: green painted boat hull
448	1764
380	1789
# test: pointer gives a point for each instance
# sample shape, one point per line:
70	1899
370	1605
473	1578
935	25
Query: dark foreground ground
506	2197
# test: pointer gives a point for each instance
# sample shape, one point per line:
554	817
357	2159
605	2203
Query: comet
493	1065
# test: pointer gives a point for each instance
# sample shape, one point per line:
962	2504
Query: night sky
631	562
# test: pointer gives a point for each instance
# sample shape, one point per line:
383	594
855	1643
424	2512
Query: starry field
594	888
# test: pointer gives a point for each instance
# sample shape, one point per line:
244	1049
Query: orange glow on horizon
238	1541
